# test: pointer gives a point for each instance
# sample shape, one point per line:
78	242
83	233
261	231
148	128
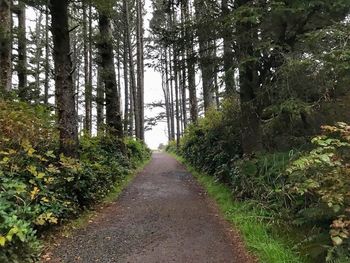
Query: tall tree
228	56
47	55
249	80
140	69
206	37
133	88
105	46
5	46
191	63
67	117
22	51
88	88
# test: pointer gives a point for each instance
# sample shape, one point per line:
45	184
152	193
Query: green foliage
322	178
39	187
214	142
307	190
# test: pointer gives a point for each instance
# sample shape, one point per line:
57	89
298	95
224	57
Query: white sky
153	92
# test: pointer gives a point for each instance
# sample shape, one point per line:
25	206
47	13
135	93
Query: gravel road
162	216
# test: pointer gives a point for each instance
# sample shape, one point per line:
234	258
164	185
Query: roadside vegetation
40	187
299	196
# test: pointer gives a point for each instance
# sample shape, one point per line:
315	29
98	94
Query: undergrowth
40	188
255	223
304	190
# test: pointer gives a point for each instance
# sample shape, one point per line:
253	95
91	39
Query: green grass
260	235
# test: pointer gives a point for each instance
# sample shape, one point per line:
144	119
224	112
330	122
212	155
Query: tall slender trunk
165	87
183	67
131	112
47	55
90	60
140	69
100	102
126	83
67	118
227	33
5	46
113	115
206	53
38	54
88	90
191	62
177	99
75	75
133	95
172	114
118	72
22	51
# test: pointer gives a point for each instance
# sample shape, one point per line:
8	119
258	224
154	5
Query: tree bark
191	62
47	55
100	102
5	46
22	52
140	69
88	90
126	83
249	85
229	78
206	53
67	118
133	95
113	115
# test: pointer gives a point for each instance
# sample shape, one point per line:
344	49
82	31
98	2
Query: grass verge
261	237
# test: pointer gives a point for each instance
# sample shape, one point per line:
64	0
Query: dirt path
163	216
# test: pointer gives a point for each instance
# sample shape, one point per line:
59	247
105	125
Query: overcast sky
153	92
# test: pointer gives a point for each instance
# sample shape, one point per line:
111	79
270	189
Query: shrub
39	187
319	180
308	190
214	142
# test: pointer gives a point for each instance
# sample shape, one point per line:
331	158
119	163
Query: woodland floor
162	216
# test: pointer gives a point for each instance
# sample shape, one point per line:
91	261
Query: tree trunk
100	102
229	78
171	104
38	54
249	85
22	52
126	83
88	90
133	95
5	46
183	67
206	53
47	56
113	115
67	118
140	68
191	71
165	88
118	73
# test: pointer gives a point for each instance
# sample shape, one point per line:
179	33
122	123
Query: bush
214	142
39	187
319	181
308	190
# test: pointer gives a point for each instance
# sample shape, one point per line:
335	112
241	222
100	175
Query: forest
255	97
